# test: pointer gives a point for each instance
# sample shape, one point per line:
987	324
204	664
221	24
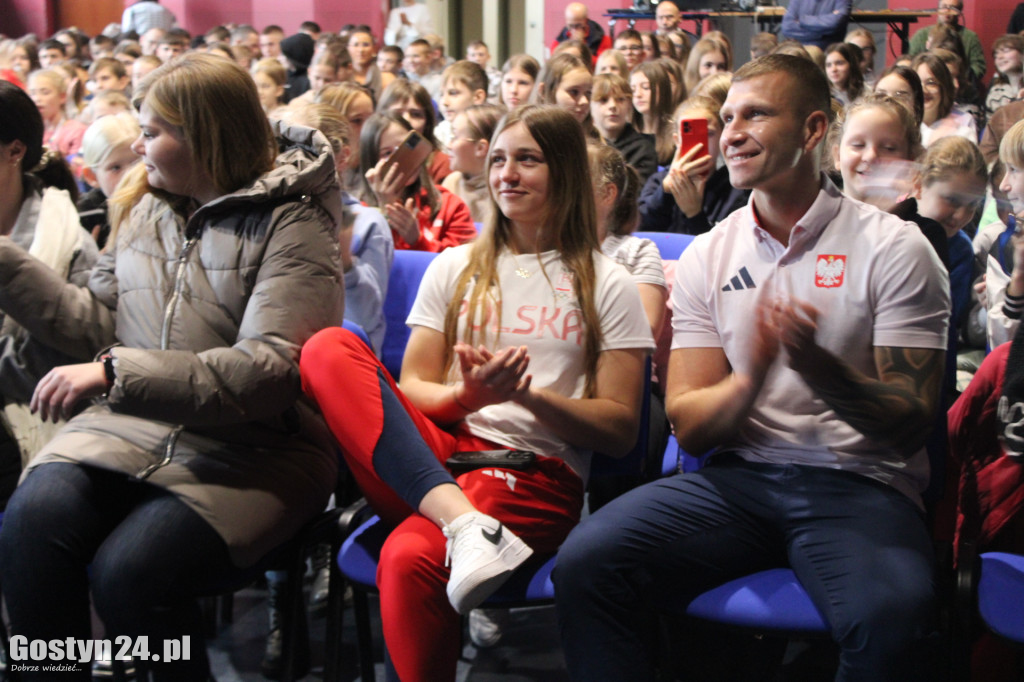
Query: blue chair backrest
406	272
670	244
357	330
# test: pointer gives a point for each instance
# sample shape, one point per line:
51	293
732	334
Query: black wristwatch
108	369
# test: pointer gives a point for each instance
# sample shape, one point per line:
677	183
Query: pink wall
29	16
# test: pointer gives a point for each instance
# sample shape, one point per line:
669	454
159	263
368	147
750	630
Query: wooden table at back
769	18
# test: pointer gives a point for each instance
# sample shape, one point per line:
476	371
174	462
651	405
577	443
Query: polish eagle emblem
829	270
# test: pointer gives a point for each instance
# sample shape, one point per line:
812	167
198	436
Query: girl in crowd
107	155
518	77
48	88
559	393
707	57
616	193
631	45
941	118
40	218
356	105
271	78
677	79
422	216
842	66
612	61
361	47
692	195
652	49
652	107
865	40
25	57
904	85
200	455
412	102
1008	57
567	82
877	145
681	42
471	141
612	111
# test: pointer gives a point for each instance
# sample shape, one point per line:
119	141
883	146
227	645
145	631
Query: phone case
502	459
692	131
409	156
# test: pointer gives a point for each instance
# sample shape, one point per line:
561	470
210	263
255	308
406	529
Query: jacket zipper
165	340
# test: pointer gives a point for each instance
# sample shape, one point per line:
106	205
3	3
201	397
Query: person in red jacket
579	26
422	215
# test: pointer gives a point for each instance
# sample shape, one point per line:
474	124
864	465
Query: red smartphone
692	131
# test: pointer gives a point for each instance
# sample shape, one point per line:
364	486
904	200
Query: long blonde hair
214	103
572	217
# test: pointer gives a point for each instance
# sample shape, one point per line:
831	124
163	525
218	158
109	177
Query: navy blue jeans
144	554
859	547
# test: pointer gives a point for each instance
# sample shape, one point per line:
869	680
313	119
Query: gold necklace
520	270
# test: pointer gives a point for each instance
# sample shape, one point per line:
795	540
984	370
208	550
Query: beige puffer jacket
209	316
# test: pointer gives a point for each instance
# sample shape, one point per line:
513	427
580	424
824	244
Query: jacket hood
304	168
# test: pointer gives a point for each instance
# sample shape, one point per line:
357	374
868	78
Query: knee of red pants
420	626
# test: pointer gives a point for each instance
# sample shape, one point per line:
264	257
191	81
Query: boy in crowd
465	84
417	56
478	53
270	44
107	73
51	53
389	60
171	46
142	66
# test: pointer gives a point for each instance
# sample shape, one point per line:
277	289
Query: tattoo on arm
898	408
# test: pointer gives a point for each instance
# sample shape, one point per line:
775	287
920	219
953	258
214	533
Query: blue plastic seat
772	600
404	281
1001	594
670	244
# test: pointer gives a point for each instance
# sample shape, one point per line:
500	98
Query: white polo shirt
876	281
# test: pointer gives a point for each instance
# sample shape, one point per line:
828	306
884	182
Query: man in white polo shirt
809	336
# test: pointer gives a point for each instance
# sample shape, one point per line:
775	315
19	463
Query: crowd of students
153	335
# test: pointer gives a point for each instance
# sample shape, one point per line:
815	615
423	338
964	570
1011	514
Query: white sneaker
482	554
486	626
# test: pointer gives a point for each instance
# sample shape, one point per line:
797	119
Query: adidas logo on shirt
740	281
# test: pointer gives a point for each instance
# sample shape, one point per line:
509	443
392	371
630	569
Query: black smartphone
518	460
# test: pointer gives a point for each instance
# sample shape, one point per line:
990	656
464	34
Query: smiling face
763	139
932	93
519	177
1008	60
573	93
516	86
641	86
837	69
952	201
468	154
872	137
167	158
109	173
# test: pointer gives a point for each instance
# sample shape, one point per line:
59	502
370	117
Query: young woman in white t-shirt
553	363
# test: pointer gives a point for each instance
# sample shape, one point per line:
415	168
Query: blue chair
1001	594
404	281
670	244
